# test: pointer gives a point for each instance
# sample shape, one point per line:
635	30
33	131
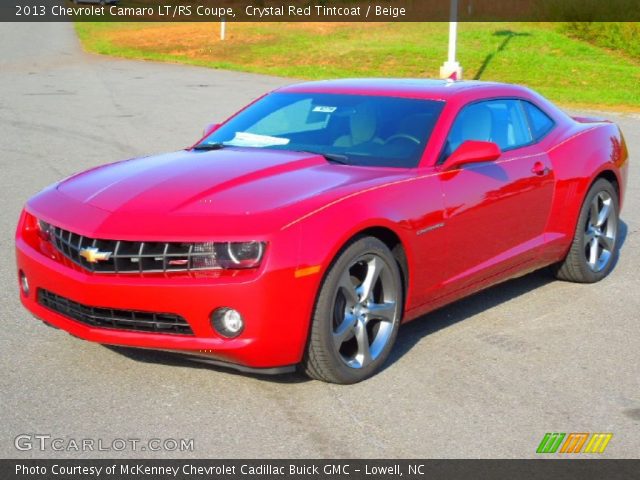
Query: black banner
320	10
318	469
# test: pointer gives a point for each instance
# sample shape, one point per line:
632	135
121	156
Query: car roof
406	87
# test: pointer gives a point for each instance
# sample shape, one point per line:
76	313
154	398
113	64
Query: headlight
245	254
44	230
228	255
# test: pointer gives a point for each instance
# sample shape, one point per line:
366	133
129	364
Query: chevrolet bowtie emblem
93	255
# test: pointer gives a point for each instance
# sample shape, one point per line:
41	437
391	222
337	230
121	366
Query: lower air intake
115	318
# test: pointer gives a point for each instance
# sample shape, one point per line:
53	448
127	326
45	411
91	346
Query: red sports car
307	227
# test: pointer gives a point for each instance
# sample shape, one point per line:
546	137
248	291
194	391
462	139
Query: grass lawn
570	71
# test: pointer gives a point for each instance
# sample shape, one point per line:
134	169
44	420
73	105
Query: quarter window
538	120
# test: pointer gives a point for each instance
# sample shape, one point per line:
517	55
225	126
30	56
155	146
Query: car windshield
350	129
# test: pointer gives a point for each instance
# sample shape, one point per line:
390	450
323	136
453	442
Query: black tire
576	267
338	358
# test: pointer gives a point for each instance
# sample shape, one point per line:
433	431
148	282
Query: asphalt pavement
485	377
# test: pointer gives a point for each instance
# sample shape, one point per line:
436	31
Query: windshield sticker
322	109
245	139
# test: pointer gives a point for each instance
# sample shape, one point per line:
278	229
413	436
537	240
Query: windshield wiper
209	146
331	157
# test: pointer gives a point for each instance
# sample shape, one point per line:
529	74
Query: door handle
539	169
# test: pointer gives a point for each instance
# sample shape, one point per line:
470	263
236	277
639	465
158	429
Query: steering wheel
405	136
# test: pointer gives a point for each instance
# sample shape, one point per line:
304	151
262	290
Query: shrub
622	36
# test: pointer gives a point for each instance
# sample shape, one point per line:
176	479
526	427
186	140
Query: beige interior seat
474	123
477	123
363	125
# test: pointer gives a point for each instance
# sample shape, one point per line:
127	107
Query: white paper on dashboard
245	139
323	109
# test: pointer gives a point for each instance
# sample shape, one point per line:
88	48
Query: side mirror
472	151
212	127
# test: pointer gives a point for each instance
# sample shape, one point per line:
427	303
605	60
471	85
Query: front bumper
276	320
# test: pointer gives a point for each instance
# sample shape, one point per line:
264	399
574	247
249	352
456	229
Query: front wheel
595	243
357	314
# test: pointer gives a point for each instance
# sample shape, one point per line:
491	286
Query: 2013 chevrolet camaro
307	227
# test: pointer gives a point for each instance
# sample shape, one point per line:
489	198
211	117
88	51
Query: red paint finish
462	229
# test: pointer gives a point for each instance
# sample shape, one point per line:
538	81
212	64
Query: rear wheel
357	314
594	248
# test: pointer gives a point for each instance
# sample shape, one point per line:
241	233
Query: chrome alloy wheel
600	232
365	310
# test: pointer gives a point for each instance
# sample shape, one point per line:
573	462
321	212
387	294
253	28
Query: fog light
24	283
227	322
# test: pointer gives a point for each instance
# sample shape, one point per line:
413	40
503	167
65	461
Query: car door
495	212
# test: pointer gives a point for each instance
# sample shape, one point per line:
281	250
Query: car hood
229	181
233	182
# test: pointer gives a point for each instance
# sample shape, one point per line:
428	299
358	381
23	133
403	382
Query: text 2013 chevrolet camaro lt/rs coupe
307	227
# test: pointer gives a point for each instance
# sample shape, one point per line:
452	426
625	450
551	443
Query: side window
499	121
296	117
539	121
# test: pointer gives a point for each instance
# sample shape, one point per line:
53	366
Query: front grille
115	318
131	257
